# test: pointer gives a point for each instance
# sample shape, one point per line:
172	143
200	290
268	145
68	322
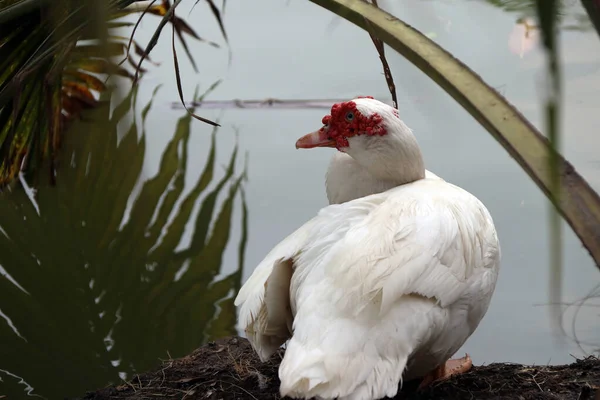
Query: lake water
96	267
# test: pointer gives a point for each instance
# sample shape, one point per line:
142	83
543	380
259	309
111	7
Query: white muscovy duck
384	284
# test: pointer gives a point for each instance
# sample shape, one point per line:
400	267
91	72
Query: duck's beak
315	139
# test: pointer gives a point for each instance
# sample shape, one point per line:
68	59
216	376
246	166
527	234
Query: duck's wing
263	302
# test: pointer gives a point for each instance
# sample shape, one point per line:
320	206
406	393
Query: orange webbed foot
446	370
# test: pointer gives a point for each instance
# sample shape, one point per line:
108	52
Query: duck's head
372	133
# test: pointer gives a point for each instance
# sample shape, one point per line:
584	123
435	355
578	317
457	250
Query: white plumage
384	284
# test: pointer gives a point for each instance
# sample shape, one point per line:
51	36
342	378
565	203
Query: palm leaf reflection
87	299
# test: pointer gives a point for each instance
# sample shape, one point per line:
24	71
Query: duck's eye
350	116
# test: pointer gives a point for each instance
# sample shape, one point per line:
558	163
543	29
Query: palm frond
55	59
106	303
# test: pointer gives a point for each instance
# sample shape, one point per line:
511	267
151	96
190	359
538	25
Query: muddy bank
229	369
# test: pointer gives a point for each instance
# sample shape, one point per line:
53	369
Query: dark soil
229	369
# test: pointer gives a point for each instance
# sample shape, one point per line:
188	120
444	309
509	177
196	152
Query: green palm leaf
98	280
50	72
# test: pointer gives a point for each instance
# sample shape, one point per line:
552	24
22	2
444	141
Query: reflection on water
569	13
92	290
525	36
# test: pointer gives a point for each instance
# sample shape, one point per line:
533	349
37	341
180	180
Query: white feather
379	288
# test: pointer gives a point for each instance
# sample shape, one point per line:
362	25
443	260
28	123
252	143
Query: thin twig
386	68
293	104
241	388
154	39
538	385
134	30
130	384
178	76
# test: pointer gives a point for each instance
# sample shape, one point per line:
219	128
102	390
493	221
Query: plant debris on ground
229	369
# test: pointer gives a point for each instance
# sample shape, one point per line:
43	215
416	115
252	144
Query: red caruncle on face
346	121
